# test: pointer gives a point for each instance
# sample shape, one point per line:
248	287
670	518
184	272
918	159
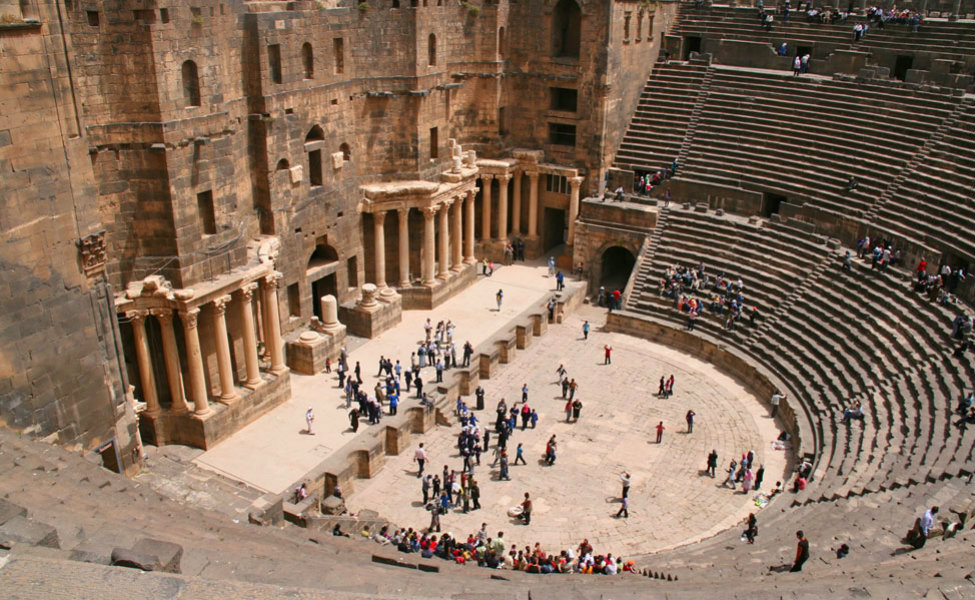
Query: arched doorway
566	29
321	275
617	264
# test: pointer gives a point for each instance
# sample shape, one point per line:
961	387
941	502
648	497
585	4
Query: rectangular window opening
92	17
566	99
294	300
164	15
204	206
274	61
561	134
434	142
338	51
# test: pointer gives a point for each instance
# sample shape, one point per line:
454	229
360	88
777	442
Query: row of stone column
196	386
503	234
451	244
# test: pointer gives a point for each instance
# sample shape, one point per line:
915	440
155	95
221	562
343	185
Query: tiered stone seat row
847	335
767	132
934	203
947	39
656	132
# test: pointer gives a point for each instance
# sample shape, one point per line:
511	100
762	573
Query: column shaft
456	230
428	245
533	205
194	360
146	376
575	183
404	247
379	247
444	257
174	375
486	207
469	228
503	208
250	336
272	324
227	392
516	204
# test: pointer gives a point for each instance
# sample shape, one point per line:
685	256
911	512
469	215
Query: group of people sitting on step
726	297
645	183
938	284
492	552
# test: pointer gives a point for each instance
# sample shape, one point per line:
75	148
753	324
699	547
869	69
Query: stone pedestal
370	317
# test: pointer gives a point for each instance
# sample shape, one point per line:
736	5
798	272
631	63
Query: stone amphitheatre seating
945	39
933	201
830	336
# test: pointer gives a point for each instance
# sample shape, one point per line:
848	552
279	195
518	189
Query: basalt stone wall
59	374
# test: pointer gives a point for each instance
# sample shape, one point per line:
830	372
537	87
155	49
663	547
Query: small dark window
626	27
566	29
146	16
501	41
561	134
556	183
338	51
566	99
92	17
164	15
434	142
274	61
346	152
432	50
191	84
315	167
502	129
308	60
395	3
204	205
294	300
352	270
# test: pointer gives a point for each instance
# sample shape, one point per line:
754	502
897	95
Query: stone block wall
59	356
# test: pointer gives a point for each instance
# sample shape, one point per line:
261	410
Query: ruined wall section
59	362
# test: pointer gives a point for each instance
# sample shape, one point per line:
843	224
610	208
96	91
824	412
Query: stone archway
321	274
616	265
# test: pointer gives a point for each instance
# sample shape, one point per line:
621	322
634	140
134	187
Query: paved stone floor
273	452
671	503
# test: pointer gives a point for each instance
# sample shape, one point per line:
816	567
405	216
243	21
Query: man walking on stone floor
499	297
420	458
660	431
776	398
690	421
713	463
608	358
585	330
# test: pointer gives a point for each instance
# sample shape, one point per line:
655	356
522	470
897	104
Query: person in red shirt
660	431
609	354
802	552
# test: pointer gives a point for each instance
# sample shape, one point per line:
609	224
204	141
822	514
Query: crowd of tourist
693	290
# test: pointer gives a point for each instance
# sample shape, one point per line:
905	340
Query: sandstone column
455	238
174	375
503	207
194	359
428	244
146	376
575	183
379	247
516	205
250	336
228	394
444	258
404	246
272	324
533	204
469	228
486	207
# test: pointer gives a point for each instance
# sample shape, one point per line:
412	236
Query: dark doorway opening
617	264
803	50
692	43
555	226
322	287
903	63
110	458
771	204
